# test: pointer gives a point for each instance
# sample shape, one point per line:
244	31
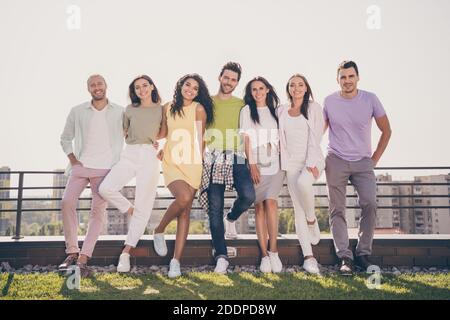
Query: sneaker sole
219	272
174	276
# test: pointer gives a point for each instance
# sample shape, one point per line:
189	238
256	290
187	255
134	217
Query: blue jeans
245	197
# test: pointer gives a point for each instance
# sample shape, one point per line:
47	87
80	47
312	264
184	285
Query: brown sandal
69	261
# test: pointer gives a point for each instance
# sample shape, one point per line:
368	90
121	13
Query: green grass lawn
237	286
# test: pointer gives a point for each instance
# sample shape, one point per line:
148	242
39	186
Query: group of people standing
221	143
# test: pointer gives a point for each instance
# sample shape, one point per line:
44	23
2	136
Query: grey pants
361	175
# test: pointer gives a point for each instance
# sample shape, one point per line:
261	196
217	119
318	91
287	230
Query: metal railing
19	210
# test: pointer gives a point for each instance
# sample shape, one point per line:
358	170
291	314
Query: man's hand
375	160
156	145
74	161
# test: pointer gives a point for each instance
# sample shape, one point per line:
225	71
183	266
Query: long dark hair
306	98
203	97
135	100
272	100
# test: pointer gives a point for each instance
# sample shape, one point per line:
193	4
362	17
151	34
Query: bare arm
385	128
254	170
163	129
200	118
243	125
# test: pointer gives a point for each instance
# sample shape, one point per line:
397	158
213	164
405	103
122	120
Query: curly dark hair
132	93
203	97
272	100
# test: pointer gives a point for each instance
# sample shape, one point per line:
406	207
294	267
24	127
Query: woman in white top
301	130
259	125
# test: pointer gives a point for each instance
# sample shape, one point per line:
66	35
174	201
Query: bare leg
184	194
83	258
271	209
182	232
261	227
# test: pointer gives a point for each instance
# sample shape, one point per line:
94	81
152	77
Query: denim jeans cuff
222	256
229	220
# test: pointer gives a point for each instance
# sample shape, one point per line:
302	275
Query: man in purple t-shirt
348	113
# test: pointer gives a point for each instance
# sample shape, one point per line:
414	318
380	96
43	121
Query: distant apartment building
59	183
5	182
388	213
428	220
410	212
406	211
116	221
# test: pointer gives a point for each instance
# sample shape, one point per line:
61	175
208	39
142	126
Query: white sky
44	65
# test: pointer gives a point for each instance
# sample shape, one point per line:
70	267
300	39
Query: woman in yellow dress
184	123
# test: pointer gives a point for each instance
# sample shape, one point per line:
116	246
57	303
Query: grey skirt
269	186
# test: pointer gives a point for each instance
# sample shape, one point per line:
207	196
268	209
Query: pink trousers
78	181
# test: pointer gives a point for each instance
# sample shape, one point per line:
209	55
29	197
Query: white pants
300	186
135	161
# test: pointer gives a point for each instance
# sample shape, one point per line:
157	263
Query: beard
226	89
349	89
98	97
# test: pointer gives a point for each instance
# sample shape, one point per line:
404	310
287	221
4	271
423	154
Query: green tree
172	227
323	219
195	227
286	222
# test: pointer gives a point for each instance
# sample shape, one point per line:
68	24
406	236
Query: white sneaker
265	265
230	229
221	266
314	233
159	244
310	265
124	263
275	262
174	269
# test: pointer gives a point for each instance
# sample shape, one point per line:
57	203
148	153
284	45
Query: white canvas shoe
265	265
124	263
230	229
311	266
221	266
275	262
159	244
174	269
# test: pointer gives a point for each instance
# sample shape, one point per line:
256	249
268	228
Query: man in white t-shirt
92	140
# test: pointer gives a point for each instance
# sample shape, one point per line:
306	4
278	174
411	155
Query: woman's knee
185	214
184	199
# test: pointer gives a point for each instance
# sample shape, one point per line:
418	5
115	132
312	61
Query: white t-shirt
296	131
97	153
263	134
